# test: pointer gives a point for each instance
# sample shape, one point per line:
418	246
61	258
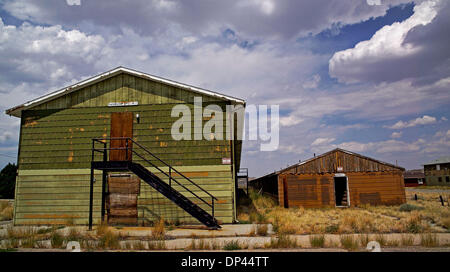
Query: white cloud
322	141
312	83
396	135
255	18
73	2
391	54
425	120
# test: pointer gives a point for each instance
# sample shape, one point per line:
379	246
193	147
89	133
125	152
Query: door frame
341	175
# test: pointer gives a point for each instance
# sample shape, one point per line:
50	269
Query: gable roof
328	153
17	110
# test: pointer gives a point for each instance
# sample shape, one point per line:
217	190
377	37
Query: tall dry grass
427	216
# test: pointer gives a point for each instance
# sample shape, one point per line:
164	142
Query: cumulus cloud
396	135
244	51
409	49
322	141
425	120
312	83
256	18
73	2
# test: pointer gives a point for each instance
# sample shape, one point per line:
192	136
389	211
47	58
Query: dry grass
6	210
407	240
231	245
282	241
102	229
349	242
199	244
7	213
261	229
158	230
429	240
317	240
424	215
56	240
109	240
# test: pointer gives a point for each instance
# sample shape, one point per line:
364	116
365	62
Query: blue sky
373	79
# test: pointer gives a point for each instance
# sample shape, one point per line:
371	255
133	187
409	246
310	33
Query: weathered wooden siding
62	139
307	190
56	136
317	190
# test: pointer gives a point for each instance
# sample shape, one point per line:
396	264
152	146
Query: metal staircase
132	147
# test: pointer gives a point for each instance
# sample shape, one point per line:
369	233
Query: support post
103	195
91	198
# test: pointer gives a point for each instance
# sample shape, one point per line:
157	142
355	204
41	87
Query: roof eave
17	110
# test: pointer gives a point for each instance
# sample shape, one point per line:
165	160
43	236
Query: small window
447	179
438	167
440	179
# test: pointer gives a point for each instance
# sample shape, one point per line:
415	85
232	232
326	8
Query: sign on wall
123	104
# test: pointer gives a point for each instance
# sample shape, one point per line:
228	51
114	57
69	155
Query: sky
369	76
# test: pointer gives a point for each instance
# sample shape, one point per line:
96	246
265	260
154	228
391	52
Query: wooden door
121	126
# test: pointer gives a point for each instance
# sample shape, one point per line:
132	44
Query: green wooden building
437	172
55	150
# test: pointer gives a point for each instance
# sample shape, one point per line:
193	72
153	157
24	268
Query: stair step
174	195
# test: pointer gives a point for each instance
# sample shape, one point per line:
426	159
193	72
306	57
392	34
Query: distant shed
336	178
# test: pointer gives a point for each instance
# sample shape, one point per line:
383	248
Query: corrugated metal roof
17	110
445	159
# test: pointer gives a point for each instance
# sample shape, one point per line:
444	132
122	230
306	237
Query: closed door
121	127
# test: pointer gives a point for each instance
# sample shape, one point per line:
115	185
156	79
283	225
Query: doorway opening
341	191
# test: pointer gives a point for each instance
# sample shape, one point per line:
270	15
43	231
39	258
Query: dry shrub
414	223
446	223
158	230
429	240
109	240
317	240
261	229
138	245
381	239
282	241
363	239
232	245
21	232
349	242
158	245
56	239
102	228
407	240
7	213
199	244
73	235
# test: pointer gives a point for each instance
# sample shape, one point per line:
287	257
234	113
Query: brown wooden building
335	179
